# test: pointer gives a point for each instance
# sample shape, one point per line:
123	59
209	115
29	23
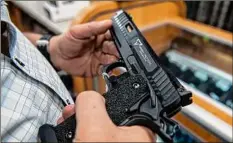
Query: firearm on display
146	94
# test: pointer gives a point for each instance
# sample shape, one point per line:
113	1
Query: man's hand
84	49
94	124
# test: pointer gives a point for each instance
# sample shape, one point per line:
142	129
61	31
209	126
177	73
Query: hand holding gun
147	94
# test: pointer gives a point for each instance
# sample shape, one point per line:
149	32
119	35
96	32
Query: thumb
91	114
90	29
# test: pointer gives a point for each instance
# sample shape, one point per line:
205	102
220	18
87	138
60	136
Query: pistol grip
64	132
119	99
122	96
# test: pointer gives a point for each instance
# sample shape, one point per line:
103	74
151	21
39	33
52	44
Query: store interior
192	38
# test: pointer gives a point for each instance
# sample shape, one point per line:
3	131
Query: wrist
45	45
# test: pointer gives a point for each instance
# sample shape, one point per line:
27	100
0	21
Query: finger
108	35
107	59
90	29
91	113
68	111
99	41
100	69
146	135
110	48
60	120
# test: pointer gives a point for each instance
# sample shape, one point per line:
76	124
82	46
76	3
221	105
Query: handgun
146	94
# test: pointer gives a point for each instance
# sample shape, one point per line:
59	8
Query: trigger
106	77
108	68
108	84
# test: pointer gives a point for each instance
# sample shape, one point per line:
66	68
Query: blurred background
192	38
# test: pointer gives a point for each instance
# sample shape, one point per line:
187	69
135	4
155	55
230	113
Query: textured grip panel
123	95
66	130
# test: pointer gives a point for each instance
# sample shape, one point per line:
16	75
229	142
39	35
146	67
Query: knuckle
83	94
92	27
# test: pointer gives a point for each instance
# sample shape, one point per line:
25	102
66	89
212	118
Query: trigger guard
107	68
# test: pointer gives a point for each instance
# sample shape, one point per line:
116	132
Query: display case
203	64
